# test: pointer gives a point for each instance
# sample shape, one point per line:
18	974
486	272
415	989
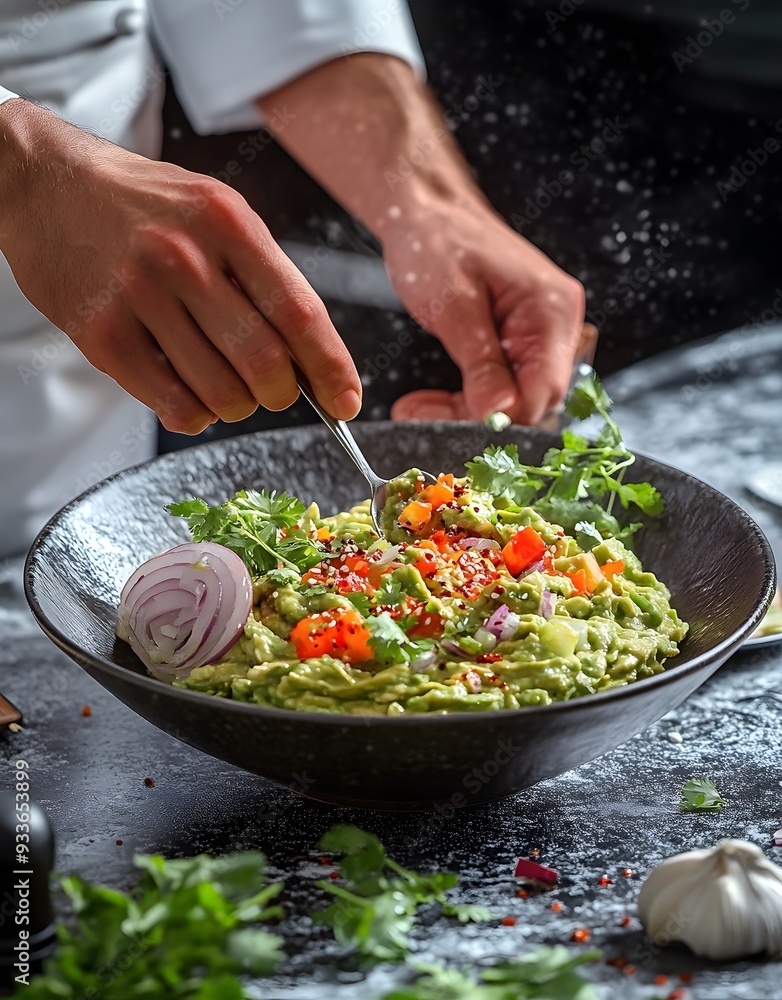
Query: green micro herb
700	795
186	931
577	484
375	906
545	974
389	641
260	527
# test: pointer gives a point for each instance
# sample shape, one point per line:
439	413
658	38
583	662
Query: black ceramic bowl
711	554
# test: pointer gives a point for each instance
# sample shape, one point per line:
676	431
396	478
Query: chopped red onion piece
185	608
495	621
422	661
487	639
509	626
776	840
481	544
548	604
453	647
539	567
388	556
531	869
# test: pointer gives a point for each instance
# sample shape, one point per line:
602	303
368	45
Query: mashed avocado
470	603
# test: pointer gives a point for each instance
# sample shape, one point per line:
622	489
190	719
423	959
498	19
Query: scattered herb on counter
375	906
546	973
184	932
260	527
575	485
700	795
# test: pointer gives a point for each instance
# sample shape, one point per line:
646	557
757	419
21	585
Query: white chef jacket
63	424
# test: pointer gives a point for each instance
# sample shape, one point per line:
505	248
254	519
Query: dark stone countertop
619	811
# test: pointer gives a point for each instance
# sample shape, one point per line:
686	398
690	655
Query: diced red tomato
612	568
430	626
523	550
440	493
415	515
427	565
339	633
445	540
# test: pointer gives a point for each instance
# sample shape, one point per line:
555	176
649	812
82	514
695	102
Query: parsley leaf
545	974
186	924
260	527
391	644
374	908
577	483
700	795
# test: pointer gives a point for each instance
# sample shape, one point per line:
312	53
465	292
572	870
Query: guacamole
470	603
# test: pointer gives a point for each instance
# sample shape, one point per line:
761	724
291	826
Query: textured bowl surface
715	560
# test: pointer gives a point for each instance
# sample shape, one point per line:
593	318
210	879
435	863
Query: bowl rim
617	694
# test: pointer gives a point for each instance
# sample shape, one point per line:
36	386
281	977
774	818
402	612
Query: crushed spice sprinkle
605	880
508	921
660	980
627	872
581	935
522	894
118	843
86	711
149	782
626	921
557	907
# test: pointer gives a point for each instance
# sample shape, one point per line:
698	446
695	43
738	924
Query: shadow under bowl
711	554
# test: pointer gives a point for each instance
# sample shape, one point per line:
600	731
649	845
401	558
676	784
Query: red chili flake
333	874
118	843
604	880
325	861
626	921
489	658
776	840
149	782
86	711
508	921
580	935
677	995
522	894
531	869
557	907
660	980
627	872
535	852
686	977
617	963
628	970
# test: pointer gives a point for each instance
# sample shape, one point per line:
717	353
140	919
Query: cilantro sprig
187	930
543	974
375	906
390	642
261	527
578	483
701	795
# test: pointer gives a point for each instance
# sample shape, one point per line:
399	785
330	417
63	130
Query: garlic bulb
723	903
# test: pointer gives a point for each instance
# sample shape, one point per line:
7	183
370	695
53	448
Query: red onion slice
453	647
548	604
388	556
487	639
185	607
423	661
495	621
509	626
480	544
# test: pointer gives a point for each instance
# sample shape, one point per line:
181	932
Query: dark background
643	226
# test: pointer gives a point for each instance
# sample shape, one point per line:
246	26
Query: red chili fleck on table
325	861
86	711
627	872
557	907
508	921
522	894
118	843
617	963
605	880
686	977
628	970
677	995
149	782
626	921
535	852
580	935
333	874
660	980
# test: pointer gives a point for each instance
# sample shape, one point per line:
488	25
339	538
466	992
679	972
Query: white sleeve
6	95
223	54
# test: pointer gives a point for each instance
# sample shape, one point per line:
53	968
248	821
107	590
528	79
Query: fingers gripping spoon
341	431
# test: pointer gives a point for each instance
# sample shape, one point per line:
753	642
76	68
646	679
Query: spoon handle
338	428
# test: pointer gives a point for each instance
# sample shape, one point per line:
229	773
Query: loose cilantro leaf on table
184	932
700	795
545	974
260	527
578	483
375	906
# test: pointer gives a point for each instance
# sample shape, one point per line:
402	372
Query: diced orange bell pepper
416	515
323	534
612	568
579	581
426	565
430	626
338	633
440	493
523	550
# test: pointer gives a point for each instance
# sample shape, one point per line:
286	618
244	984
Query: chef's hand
166	280
508	316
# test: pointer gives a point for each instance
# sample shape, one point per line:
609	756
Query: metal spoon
341	431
